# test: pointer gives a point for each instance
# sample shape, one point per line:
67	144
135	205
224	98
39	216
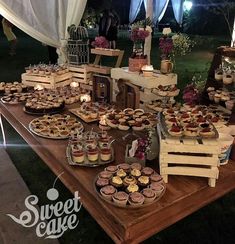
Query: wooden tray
87	163
51	137
43	113
166	134
75	112
128	206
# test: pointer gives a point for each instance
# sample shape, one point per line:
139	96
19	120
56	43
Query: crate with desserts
49	76
81	74
189	142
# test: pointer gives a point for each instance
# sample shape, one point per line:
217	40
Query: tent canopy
159	9
44	20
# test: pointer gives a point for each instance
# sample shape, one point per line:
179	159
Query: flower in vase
100	42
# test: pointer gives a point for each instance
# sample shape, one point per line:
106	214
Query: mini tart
128	180
128	111
112	169
171	121
108	191
175	131
147	171
112	123
136	166
207	132
138	126
121	173
102	182
136	199
149	195
105	175
120	198
136	173
93	115
132	188
143	180
116	181
124	166
157	188
123	126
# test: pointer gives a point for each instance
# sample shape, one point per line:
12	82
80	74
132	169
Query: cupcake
136	173
112	169
156	178
149	195
136	199
102	182
147	171
132	188
136	166
157	188
128	180
116	181
143	180
108	191
124	166
121	173
120	198
105	175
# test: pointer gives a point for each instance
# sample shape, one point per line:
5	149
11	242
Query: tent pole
233	35
148	40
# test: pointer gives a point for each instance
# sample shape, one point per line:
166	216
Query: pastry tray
87	163
43	113
50	137
128	206
89	120
166	134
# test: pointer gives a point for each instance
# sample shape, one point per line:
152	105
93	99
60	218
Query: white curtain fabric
159	9
233	35
44	20
134	9
178	10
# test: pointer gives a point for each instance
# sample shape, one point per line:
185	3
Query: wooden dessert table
184	195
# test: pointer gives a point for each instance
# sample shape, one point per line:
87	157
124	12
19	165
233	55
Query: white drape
134	9
233	35
158	9
44	20
178	10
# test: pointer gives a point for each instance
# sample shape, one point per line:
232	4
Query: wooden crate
189	157
47	81
81	74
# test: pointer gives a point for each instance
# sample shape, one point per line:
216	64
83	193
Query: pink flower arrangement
143	145
165	46
191	95
139	34
101	42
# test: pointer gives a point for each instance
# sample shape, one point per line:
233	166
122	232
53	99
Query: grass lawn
212	224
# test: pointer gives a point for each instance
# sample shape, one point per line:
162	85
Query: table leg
3	132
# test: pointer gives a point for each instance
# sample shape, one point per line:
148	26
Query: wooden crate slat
191	171
106	52
182	148
191	160
47	81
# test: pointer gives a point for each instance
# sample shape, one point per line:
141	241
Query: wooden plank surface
184	195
